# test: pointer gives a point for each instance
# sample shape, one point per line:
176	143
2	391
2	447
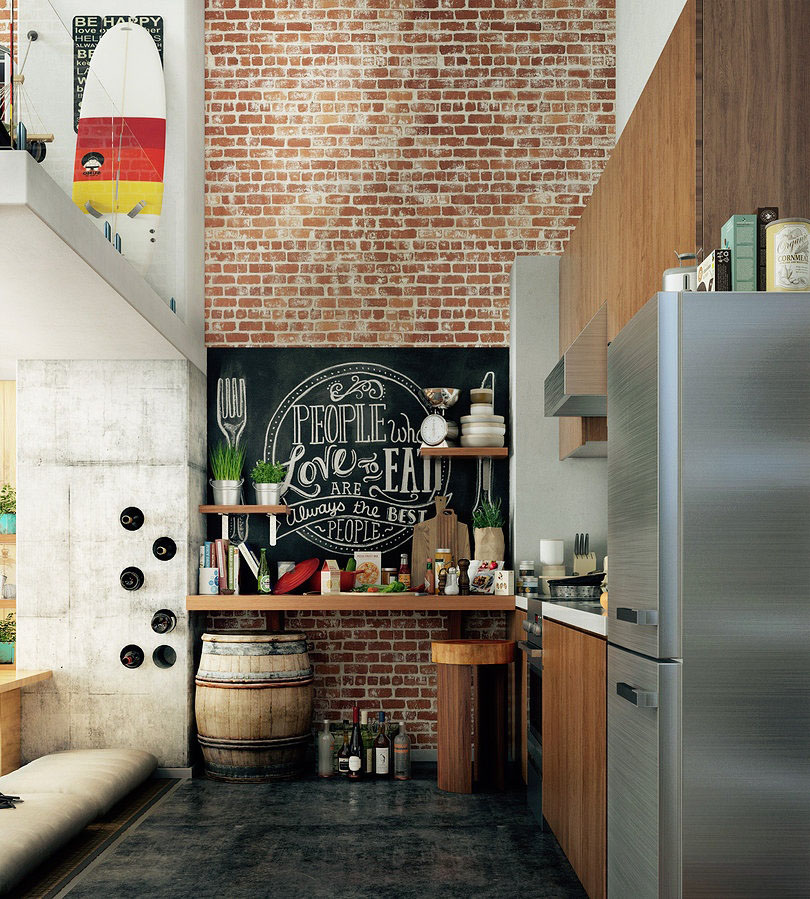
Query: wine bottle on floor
382	751
325	744
402	754
368	742
357	753
343	752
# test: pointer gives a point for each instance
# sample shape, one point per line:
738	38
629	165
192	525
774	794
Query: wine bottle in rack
164	548
131	578
131	518
132	656
163	621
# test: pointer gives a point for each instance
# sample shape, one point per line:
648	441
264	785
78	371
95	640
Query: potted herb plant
8	509
488	531
227	463
268	481
8	637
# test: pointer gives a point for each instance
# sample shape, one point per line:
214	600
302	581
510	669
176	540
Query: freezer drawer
643	780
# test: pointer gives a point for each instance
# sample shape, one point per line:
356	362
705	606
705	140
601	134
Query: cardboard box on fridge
330	577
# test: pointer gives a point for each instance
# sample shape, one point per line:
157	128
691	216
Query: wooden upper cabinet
720	129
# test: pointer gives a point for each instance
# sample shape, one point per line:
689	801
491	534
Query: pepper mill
463	577
442	581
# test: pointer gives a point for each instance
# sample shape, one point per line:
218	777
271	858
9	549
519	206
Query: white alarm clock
433	430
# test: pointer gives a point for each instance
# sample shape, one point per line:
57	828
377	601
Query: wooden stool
456	662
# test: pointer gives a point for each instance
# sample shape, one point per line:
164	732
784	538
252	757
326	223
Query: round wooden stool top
473	652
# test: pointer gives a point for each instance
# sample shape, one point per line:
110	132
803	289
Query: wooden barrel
254	705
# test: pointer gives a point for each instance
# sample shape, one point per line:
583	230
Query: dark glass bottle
343	752
132	656
131	518
164	548
132	578
163	621
382	751
356	751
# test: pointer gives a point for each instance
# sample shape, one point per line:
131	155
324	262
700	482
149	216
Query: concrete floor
319	838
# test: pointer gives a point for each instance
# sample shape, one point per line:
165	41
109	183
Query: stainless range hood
577	385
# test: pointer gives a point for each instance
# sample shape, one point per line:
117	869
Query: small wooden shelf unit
225	511
8	538
359	602
469	452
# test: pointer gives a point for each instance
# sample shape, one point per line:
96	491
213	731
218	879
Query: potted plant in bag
8	509
8	637
488	531
268	481
227	463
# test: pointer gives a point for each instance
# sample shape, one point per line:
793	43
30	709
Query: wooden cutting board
444	530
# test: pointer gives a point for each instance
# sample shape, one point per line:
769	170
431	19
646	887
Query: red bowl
346	581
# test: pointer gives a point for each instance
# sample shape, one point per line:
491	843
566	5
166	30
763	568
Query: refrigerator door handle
637	616
640	698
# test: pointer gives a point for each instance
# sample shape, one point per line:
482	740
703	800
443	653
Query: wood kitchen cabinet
718	130
575	749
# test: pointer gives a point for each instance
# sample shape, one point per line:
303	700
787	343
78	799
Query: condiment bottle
463	577
451	588
404	576
429	577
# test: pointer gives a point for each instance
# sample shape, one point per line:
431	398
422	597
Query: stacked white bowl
482	427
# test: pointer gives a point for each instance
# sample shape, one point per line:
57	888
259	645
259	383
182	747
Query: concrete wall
93	438
550	498
642	29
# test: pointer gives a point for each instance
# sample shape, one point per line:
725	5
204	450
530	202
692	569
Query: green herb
8	500
268	473
488	515
227	462
8	628
393	587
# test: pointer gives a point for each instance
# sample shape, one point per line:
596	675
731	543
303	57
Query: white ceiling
64	291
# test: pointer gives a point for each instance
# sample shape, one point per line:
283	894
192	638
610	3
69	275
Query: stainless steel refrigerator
708	689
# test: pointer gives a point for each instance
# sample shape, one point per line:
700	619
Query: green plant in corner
268	473
227	462
488	515
8	628
8	500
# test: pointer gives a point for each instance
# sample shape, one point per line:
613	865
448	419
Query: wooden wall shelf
8	604
362	602
469	452
8	538
243	510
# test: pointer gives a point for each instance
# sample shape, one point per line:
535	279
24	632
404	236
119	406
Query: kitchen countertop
588	616
520	603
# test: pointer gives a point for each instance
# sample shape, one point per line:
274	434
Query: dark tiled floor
320	838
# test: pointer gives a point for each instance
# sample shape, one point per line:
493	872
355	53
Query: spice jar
388	576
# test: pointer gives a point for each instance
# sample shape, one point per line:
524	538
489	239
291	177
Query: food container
683	277
482	395
787	255
388	575
552	552
369	568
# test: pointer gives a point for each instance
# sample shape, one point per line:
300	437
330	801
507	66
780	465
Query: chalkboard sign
87	32
347	423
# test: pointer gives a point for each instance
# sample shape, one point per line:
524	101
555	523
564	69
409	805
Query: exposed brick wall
372	170
374	166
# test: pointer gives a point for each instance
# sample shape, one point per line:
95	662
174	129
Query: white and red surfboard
121	141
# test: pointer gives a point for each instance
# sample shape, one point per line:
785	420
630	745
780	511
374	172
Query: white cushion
36	828
103	776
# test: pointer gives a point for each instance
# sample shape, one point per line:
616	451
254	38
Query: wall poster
87	32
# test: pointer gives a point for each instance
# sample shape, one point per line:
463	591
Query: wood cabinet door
518	718
574	749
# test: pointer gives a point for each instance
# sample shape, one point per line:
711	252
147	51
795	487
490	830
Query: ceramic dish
481	395
482	440
482	409
484	429
482	419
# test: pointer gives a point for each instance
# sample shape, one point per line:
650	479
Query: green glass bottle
264	574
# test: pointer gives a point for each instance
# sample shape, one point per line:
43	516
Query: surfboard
121	141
